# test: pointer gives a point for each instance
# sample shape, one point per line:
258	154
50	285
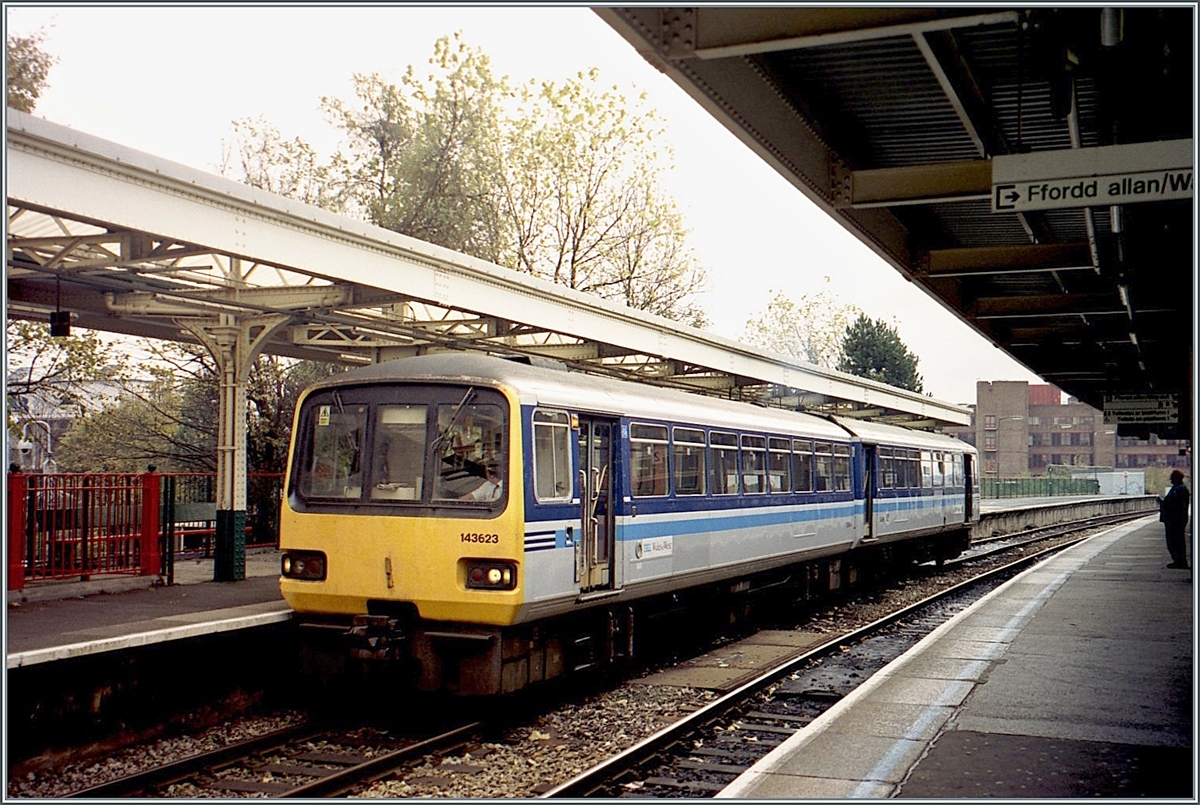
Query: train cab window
469	452
926	469
823	467
841	467
334	463
724	463
754	465
779	465
688	450
399	451
648	454
552	478
802	470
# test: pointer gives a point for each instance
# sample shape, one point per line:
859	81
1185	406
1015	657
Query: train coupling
377	637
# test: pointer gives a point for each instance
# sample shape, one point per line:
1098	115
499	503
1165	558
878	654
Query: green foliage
873	349
171	421
559	180
810	329
27	69
55	369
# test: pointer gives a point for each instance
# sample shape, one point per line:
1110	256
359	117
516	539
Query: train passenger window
648	451
469	453
399	452
724	463
754	465
334	467
913	469
960	477
926	469
552	478
939	469
689	462
841	467
802	465
887	469
823	467
779	465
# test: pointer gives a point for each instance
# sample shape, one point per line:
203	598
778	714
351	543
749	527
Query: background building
1022	430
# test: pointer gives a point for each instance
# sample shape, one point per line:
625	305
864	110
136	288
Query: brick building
1020	430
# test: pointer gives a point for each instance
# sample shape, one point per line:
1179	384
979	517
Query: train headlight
490	575
306	565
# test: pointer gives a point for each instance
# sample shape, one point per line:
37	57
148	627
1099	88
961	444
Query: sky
169	81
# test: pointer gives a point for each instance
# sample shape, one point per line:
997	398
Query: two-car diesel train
482	523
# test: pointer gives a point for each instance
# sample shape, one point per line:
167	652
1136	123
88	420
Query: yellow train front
475	524
399	526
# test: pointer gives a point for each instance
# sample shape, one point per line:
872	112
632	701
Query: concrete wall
1007	522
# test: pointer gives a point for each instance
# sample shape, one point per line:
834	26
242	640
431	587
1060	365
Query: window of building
989	421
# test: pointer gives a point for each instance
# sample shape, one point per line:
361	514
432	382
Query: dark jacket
1174	507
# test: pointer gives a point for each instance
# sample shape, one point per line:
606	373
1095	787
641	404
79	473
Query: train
477	523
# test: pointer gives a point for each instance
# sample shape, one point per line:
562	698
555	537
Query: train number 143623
493	539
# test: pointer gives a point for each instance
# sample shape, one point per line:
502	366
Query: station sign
1092	177
1140	409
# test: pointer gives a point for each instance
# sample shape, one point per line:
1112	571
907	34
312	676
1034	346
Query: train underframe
392	642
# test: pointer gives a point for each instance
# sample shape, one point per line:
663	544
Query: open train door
594	552
870	490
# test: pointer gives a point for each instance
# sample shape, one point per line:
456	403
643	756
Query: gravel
529	759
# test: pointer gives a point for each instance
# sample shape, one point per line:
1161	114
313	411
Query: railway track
302	761
696	756
705	751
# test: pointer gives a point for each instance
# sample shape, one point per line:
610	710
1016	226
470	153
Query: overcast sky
169	80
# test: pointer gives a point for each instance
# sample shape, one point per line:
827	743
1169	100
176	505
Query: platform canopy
1030	169
123	241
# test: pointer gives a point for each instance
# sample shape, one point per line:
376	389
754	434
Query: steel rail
601	775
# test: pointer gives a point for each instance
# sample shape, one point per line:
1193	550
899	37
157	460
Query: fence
1037	487
65	526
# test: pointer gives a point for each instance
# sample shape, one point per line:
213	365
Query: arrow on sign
1006	196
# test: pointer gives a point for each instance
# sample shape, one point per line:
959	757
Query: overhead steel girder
295	299
1047	305
715	33
993	260
53	168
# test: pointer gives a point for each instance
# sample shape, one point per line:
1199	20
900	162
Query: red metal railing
66	526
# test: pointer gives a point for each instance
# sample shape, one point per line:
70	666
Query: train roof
564	388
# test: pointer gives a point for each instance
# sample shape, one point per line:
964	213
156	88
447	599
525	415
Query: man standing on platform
1174	514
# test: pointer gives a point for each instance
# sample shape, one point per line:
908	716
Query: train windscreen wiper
458	409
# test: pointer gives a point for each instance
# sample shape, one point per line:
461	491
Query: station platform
1074	679
57	621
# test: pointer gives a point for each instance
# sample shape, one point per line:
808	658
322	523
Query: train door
594	553
870	459
969	480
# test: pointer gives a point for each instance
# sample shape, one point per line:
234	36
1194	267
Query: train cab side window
469	455
648	452
399	452
754	465
823	467
841	467
552	478
779	465
724	463
802	470
334	465
688	450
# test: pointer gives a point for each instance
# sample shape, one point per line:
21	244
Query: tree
268	161
556	180
27	69
56	369
873	349
811	329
